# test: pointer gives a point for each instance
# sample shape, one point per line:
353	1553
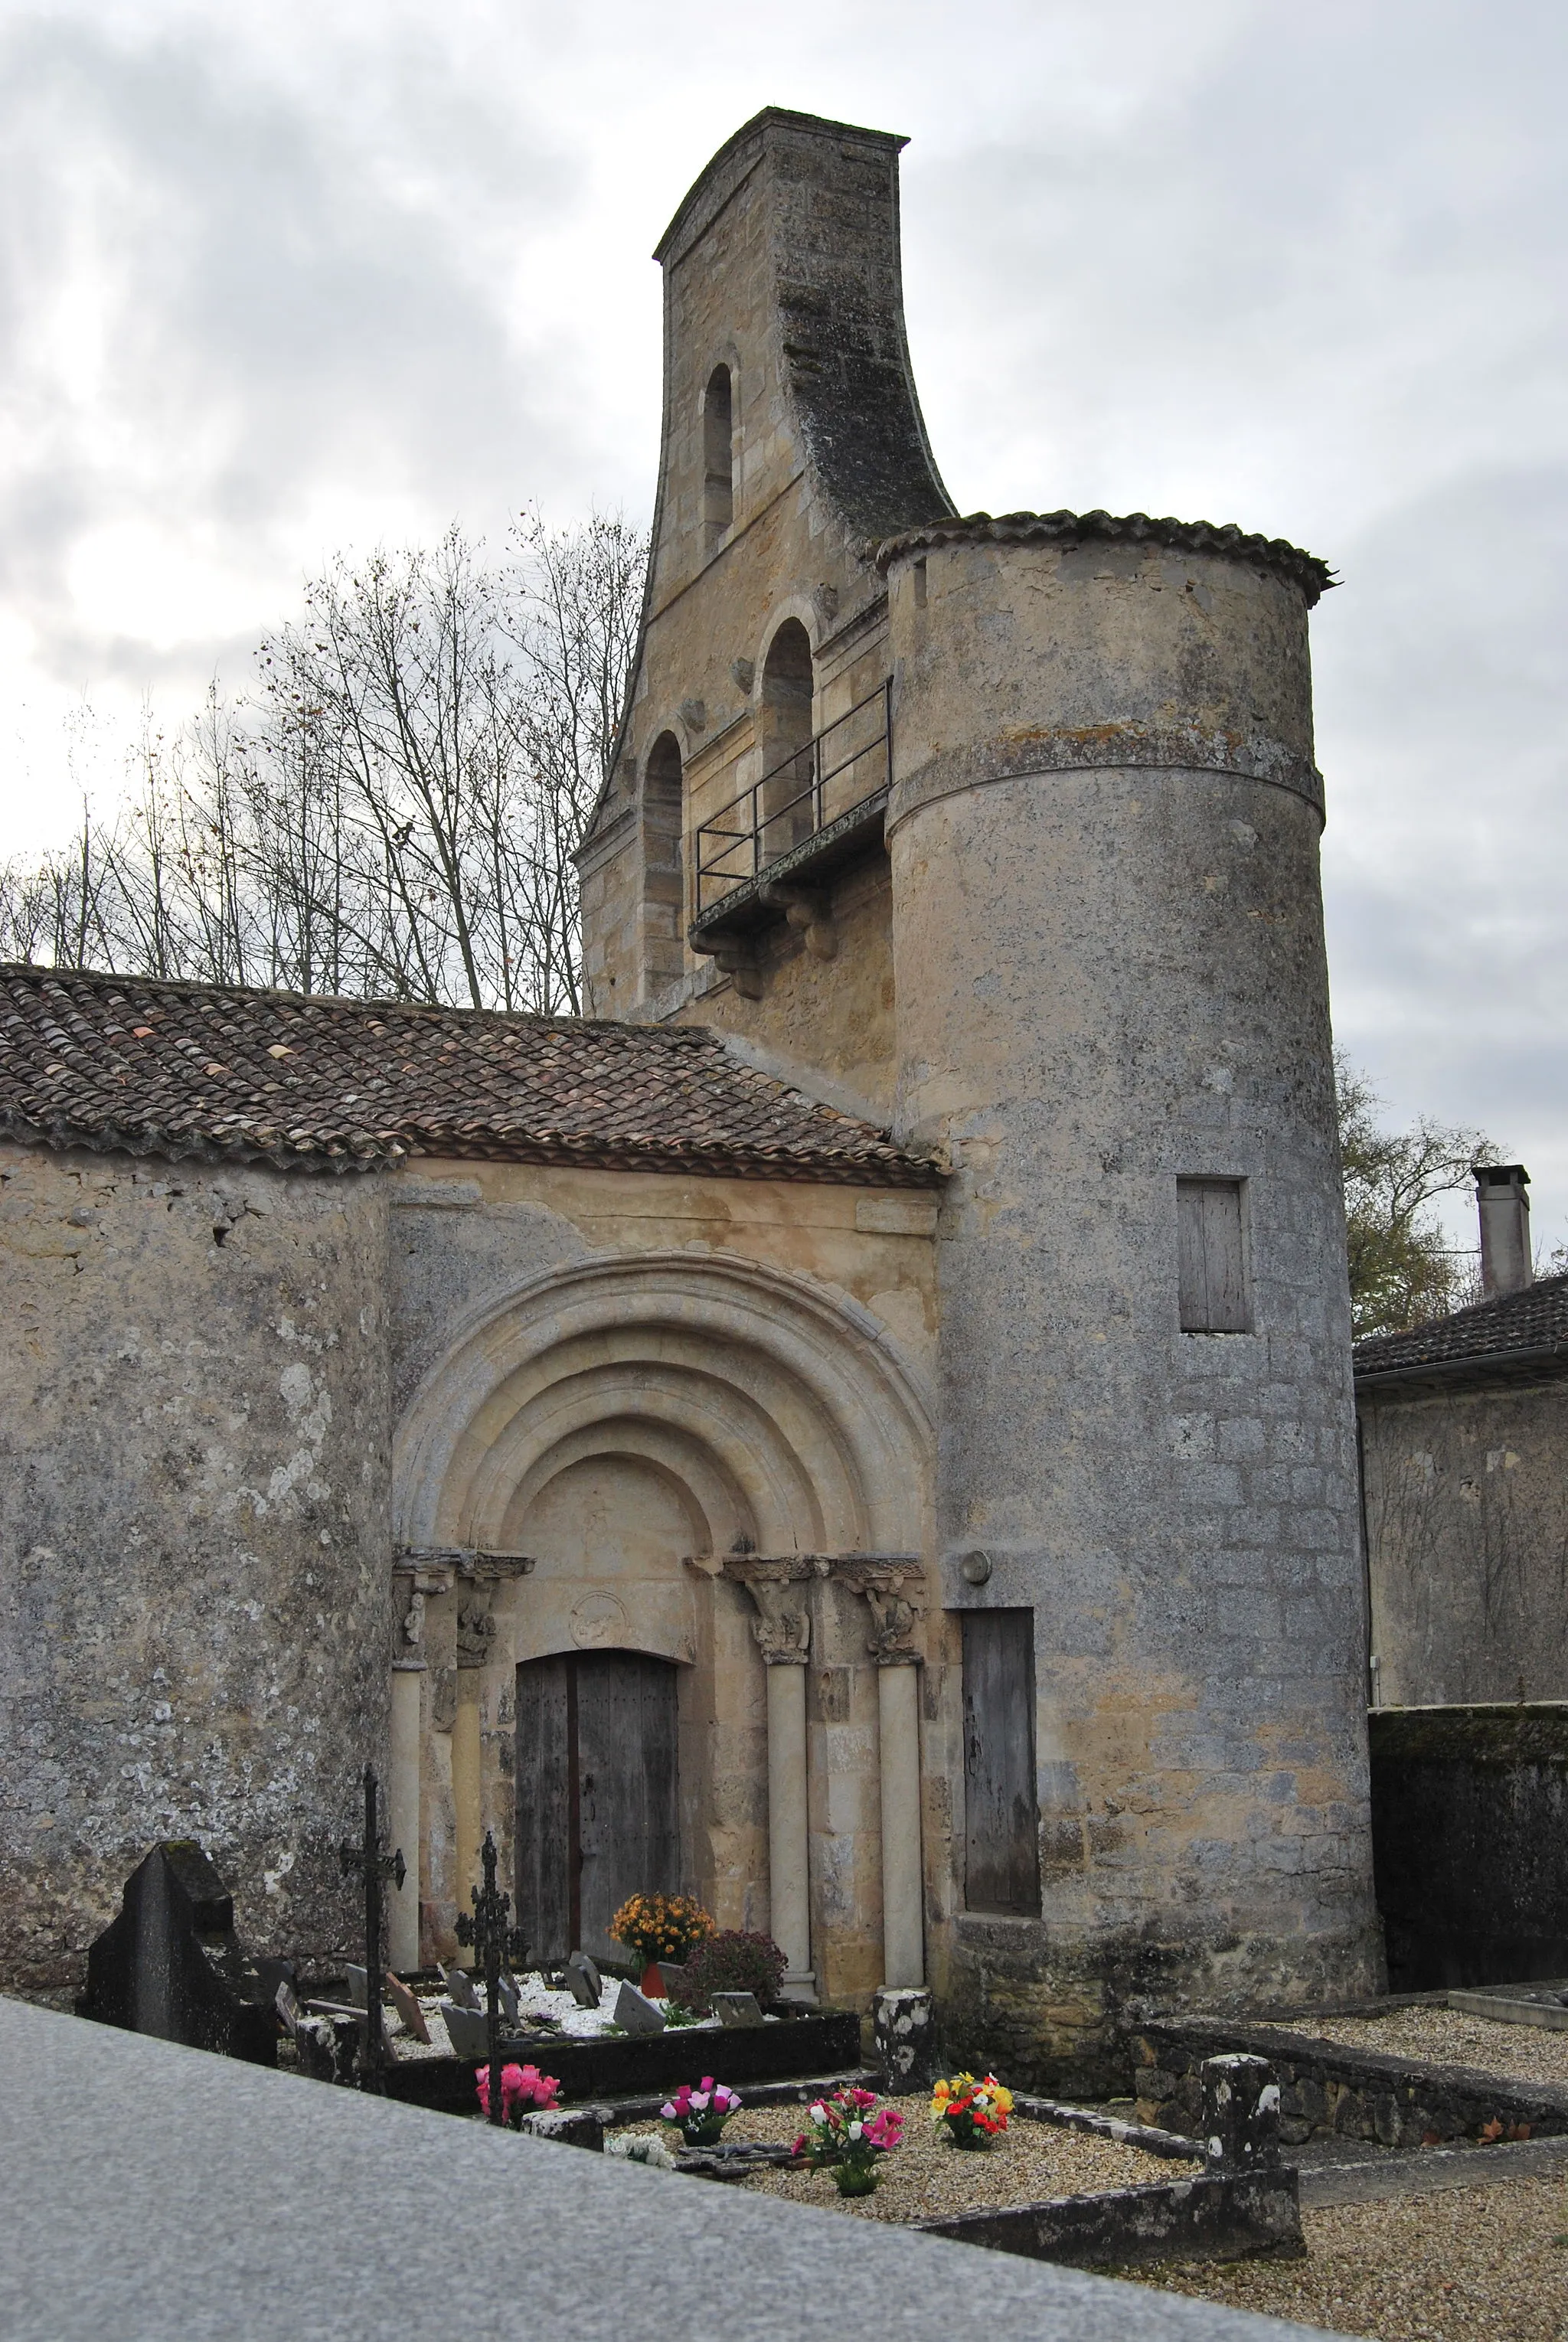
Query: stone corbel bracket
808	910
735	956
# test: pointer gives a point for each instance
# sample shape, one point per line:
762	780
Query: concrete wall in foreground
193	1539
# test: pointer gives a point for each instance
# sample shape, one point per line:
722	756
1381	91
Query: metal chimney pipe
1504	1208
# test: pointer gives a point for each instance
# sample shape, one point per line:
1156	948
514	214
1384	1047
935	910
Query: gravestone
358	1987
407	2007
171	1965
460	1987
507	1990
903	2023
635	2014
583	1981
286	2003
467	2029
737	2008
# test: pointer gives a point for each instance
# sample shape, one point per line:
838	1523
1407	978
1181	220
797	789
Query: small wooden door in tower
596	1796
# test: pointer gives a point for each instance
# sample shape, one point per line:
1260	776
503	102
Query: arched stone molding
799	1398
613	1418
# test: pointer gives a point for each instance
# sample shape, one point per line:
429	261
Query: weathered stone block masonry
862	1426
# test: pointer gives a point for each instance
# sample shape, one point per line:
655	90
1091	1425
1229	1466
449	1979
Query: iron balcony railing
840	769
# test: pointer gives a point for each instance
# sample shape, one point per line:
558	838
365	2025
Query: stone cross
488	1933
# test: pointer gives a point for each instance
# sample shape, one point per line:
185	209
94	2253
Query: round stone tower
1112	1024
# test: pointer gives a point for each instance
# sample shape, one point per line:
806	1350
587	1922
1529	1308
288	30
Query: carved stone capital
476	1631
894	1586
777	1587
420	1571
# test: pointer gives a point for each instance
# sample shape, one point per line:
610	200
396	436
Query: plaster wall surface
1110	974
194	1475
1467	1542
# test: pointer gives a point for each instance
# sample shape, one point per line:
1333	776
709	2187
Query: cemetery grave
1443	2077
1055	2183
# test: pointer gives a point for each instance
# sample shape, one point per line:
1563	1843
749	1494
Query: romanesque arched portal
689	1457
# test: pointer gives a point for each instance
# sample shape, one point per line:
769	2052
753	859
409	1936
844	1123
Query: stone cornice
1303	569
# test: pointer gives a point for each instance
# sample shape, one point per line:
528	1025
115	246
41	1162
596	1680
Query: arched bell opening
788	692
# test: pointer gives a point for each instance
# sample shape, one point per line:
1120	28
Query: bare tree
395	811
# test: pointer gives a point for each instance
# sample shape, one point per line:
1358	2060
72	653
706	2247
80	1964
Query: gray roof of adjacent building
149	1066
1516	1334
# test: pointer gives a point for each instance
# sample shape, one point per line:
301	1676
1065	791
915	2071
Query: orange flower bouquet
970	2113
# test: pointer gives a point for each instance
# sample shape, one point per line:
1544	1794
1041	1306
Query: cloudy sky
277	279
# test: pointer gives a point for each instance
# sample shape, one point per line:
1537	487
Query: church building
859	1427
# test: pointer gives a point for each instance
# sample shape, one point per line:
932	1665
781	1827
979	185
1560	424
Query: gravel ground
1526	2052
927	2180
1482	2262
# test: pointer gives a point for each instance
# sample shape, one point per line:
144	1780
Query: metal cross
488	1932
374	1867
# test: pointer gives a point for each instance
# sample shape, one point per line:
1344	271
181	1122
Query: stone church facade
859	1428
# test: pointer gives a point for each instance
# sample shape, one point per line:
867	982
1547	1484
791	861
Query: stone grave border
805	2042
1213	2213
1329	2090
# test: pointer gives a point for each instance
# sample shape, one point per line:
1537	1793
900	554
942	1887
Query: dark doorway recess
597	1815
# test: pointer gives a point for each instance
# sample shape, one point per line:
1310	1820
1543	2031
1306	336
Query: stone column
403	1811
414	1579
783	1631
476	1633
891	1589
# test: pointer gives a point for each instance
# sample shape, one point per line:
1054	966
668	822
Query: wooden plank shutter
1213	1265
545	1835
1000	1813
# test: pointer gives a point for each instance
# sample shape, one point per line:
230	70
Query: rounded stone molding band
1116	748
781	1408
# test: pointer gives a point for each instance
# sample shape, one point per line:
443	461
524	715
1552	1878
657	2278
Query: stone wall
194	1475
1467	1542
1110	974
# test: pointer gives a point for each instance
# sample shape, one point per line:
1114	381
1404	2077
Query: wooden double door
597	1815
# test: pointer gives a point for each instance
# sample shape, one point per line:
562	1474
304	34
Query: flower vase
653	1982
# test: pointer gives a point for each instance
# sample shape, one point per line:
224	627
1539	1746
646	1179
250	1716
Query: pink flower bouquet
700	2115
846	2136
523	2089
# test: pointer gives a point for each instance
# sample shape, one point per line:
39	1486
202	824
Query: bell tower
735	871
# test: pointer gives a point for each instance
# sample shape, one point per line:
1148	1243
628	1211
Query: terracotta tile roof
1529	1326
175	1069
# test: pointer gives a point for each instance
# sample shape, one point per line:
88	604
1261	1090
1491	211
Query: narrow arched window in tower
788	811
664	884
718	455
